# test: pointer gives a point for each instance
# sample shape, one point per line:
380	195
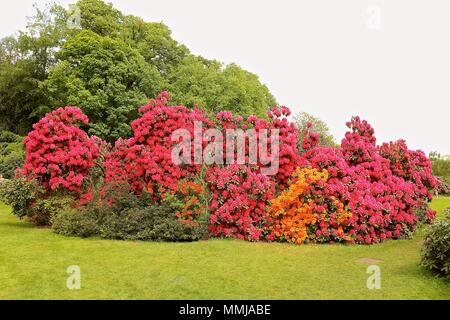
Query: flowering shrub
144	160
58	153
188	199
292	210
357	193
238	204
384	202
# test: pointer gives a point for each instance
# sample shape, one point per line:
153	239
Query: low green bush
20	194
44	211
76	223
24	197
436	248
125	216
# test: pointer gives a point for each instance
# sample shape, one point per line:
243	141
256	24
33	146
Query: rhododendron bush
384	188
145	160
59	154
356	193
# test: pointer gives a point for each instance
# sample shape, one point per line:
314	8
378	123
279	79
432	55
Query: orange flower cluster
292	210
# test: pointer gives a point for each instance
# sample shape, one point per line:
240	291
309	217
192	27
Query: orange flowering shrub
292	210
299	211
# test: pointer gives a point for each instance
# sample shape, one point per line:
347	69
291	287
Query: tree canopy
305	121
109	65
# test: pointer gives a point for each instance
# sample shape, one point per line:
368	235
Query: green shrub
12	154
24	198
151	223
44	211
436	248
76	223
9	163
20	194
128	217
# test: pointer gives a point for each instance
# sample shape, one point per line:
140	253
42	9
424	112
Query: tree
109	66
305	121
440	165
106	78
207	84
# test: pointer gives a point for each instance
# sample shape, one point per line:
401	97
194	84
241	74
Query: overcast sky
387	61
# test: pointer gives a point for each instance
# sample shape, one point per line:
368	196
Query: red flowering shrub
239	200
188	199
144	160
58	153
358	193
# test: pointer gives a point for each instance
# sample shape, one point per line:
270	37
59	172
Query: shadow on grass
17	224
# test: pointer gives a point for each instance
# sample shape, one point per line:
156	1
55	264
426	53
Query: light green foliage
19	194
318	126
441	166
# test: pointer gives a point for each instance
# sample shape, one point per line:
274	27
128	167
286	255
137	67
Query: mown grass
33	264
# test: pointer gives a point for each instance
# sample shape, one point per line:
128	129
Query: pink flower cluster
239	200
58	153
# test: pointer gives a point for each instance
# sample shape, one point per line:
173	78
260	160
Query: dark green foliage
436	248
109	67
129	217
12	154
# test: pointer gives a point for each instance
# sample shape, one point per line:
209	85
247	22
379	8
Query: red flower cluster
144	160
58	153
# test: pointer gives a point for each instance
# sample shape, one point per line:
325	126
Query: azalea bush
144	161
239	200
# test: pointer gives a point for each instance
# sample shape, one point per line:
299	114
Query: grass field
33	264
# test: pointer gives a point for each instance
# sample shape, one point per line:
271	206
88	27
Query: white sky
387	61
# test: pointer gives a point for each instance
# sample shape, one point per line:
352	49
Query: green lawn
33	263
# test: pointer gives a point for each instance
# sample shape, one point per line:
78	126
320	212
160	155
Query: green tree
440	166
318	126
106	78
109	66
208	85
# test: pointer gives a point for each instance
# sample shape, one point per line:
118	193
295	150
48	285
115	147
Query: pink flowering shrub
59	154
383	188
